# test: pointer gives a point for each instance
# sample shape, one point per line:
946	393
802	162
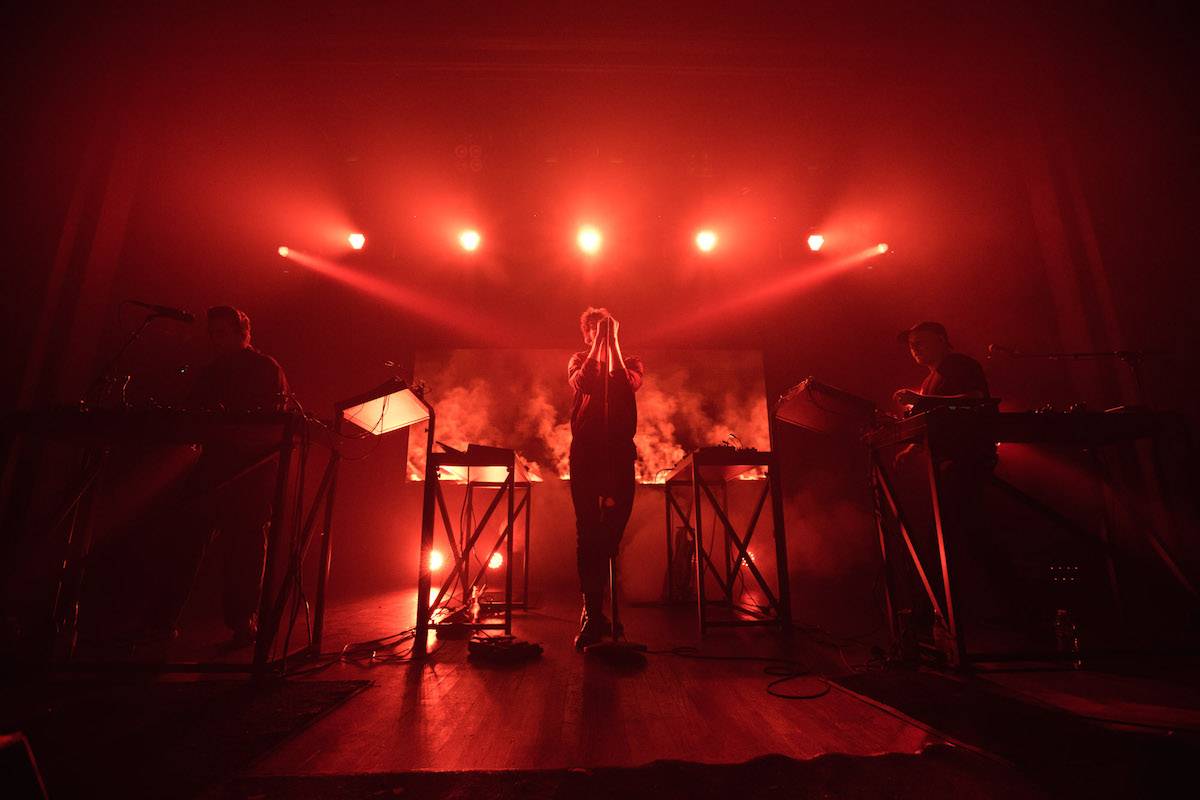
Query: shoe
245	635
149	635
592	629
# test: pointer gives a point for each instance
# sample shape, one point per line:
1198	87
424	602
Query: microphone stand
617	650
103	376
1132	359
72	516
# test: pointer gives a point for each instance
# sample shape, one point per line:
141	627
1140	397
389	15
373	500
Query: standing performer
603	423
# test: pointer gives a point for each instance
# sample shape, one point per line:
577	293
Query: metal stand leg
65	611
612	592
424	577
670	551
781	557
326	553
510	487
525	558
701	608
902	524
724	506
1108	502
877	508
958	657
266	626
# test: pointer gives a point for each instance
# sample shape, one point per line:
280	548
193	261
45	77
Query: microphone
995	349
177	314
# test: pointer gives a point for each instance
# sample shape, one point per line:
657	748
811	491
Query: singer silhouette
603	423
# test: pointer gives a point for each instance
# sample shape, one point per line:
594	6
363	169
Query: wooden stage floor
566	710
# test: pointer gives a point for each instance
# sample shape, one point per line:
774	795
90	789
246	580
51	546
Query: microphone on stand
177	314
995	349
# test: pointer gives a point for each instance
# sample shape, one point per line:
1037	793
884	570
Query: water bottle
944	642
475	605
1066	637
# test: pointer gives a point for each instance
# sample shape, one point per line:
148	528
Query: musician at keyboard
151	571
952	378
240	376
964	467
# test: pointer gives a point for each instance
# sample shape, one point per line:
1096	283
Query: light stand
391	406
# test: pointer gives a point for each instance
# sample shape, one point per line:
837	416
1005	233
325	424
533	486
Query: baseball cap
933	327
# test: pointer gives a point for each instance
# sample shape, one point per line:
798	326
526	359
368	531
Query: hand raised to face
613	327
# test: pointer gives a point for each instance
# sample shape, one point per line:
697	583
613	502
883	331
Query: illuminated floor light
589	240
436	560
706	241
283	251
881	248
470	240
356	240
816	242
495	561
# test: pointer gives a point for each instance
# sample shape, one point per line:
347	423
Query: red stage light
436	560
470	240
882	247
356	240
475	321
283	251
495	561
816	242
706	240
589	240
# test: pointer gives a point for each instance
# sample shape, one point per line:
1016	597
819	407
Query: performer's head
228	329
589	322
928	343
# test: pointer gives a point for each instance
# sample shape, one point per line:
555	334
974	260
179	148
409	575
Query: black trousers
234	521
980	563
602	483
141	579
988	581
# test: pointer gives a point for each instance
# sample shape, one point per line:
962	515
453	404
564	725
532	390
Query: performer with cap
965	466
952	376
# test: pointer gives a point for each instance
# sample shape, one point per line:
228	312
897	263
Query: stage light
436	560
470	240
589	240
816	242
495	561
283	251
356	240
706	240
881	247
